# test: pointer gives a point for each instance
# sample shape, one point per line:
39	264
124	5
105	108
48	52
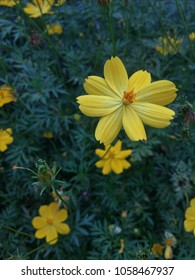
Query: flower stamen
128	97
49	221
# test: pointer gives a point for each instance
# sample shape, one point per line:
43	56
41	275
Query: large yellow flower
39	8
5	139
113	158
50	223
6	95
189	223
126	102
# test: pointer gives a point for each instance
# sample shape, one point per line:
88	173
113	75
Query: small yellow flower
8	3
6	95
170	241
50	223
39	8
60	2
169	45
113	158
157	249
5	139
48	134
189	223
128	102
192	36
54	29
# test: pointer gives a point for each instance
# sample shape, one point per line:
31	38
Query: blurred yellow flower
122	247
48	134
170	241
50	223
5	139
192	36
157	249
6	95
113	158
39	8
130	103
189	223
8	3
169	45
60	2
54	29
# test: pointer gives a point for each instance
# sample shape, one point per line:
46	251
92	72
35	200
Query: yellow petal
153	115
108	127
139	80
97	106
100	163
43	211
116	75
133	125
123	154
117	147
62	228
100	153
116	166
52	235
61	216
39	222
53	209
41	233
107	167
98	86
190	213
160	93
125	164
189	225
192	203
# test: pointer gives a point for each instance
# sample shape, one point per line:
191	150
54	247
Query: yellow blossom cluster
169	45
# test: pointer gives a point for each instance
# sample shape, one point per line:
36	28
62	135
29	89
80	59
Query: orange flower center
128	97
169	242
111	154
49	221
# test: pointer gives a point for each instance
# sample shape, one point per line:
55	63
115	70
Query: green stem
110	24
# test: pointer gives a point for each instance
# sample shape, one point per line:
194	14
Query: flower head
189	223
54	29
8	3
60	2
192	36
130	103
170	241
50	223
6	95
5	139
157	249
169	45
113	158
39	8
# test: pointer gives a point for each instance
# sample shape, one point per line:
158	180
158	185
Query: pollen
128	97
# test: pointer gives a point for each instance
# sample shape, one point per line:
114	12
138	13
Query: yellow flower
113	159
50	223
157	249
54	29
39	8
192	36
189	223
8	3
126	102
5	139
169	45
48	134
60	2
6	95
